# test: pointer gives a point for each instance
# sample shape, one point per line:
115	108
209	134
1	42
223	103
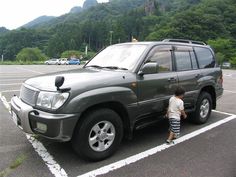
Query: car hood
85	78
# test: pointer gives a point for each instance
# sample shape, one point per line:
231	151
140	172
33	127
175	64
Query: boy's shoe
176	137
169	142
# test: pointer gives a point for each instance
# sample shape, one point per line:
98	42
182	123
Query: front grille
28	95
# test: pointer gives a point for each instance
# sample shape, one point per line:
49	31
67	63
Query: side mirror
149	68
59	81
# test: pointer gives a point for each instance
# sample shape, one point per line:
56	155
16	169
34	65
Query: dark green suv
123	88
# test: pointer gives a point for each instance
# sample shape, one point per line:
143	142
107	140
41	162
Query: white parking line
18	76
2	80
229	91
48	159
12	84
228	75
30	70
147	153
6	91
4	101
221	112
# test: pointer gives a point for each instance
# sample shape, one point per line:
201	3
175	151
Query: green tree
224	47
69	53
220	57
30	54
233	61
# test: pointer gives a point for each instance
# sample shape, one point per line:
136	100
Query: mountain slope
142	19
3	30
89	3
76	9
38	21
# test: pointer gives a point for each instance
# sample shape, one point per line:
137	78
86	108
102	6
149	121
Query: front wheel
203	109
98	135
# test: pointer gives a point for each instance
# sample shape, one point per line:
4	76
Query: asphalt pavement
211	153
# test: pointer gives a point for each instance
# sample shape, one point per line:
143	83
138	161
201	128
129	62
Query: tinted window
183	60
205	57
162	56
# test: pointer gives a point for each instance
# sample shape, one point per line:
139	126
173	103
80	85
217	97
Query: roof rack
184	41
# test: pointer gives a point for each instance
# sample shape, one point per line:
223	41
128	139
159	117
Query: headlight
51	100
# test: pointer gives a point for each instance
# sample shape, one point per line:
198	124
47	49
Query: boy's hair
179	91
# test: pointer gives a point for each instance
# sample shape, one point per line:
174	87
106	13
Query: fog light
41	127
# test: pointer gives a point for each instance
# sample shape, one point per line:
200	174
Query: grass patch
18	161
13	165
21	63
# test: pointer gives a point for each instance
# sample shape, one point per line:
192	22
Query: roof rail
184	41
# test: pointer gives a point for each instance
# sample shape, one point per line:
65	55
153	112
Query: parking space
196	150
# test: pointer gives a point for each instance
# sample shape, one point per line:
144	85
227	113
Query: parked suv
123	88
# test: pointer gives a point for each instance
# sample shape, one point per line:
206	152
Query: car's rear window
205	57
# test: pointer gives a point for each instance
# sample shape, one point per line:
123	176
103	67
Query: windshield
118	56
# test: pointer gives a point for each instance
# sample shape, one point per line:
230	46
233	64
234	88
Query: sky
15	13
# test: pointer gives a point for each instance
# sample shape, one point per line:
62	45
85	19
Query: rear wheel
203	109
98	135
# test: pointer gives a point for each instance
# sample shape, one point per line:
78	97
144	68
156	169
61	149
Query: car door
154	90
188	73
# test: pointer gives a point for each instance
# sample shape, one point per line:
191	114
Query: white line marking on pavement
229	91
5	103
19	76
229	75
142	155
12	84
48	159
53	166
2	80
222	112
30	70
6	91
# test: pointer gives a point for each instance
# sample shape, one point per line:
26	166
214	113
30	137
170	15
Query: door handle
172	79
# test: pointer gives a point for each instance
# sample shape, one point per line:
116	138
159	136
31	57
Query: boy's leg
174	129
171	133
171	136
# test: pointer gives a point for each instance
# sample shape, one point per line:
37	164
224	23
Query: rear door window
184	59
205	57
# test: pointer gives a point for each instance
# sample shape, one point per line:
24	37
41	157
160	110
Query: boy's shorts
174	126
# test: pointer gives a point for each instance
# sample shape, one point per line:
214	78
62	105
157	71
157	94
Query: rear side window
183	60
205	57
162	56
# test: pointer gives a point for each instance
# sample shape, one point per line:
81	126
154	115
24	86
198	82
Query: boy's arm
182	110
167	113
183	114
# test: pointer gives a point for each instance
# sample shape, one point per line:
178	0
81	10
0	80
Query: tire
203	109
92	126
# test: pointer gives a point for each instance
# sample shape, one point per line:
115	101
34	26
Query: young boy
174	113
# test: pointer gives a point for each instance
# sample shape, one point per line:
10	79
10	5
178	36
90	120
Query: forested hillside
38	21
212	21
3	30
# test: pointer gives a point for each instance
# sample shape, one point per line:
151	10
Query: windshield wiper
94	66
114	67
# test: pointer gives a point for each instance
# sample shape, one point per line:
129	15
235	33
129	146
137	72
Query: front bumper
59	127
